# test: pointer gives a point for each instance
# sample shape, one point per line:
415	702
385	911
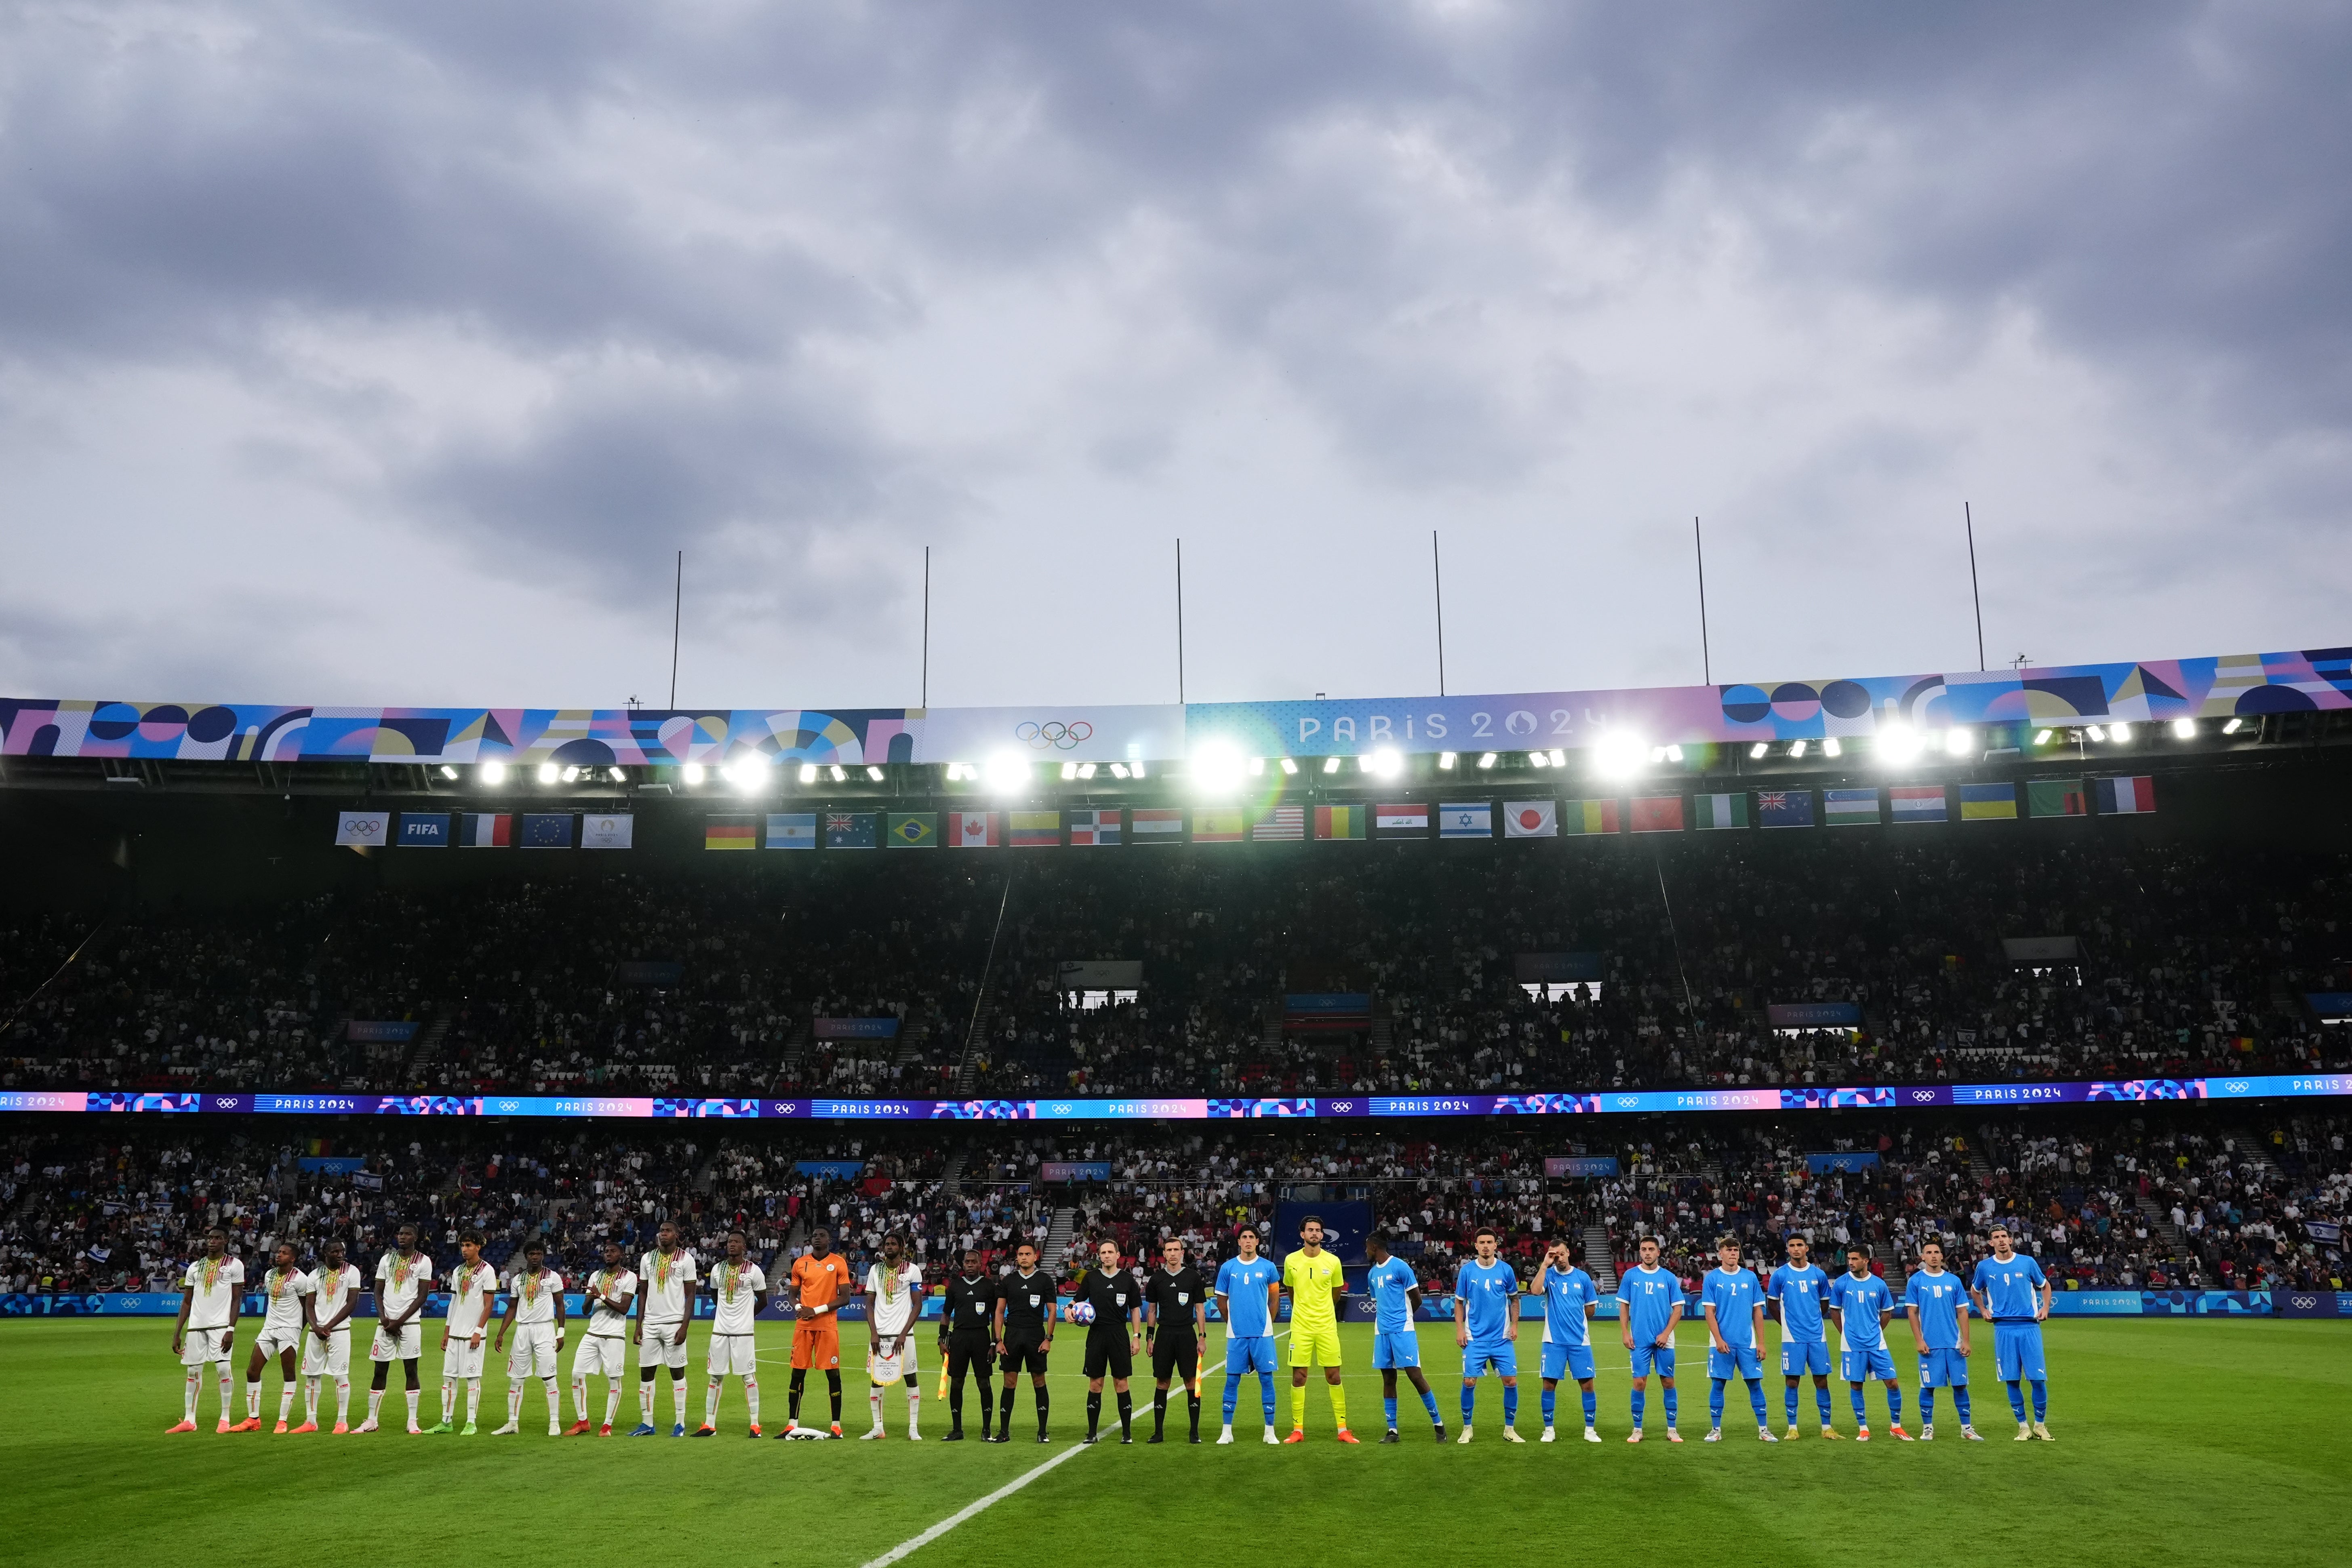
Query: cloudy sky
388	353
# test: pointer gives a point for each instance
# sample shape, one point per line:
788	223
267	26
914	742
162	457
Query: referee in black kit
1113	1339
1024	1334
1180	1333
965	1345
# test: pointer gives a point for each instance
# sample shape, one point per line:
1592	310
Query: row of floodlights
1217	769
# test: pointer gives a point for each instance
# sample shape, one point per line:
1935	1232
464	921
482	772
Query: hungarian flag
1156	825
1094	829
2126	797
1036	829
912	830
975	830
729	833
1657	814
1284	823
1530	818
1339	822
1401	819
494	830
2056	797
1217	825
1917	803
1988	803
1583	816
1713	811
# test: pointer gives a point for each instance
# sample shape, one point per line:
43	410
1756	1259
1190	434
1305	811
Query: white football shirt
602	1318
283	1287
535	1295
666	1278
739	1296
333	1289
473	1294
215	1285
399	1282
894	1297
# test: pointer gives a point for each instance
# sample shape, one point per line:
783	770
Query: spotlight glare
2119	734
1008	772
1537	759
808	773
1829	748
1289	766
839	776
2096	732
1385	763
1330	764
752	772
1217	769
1559	758
1487	759
2184	729
873	773
1085	770
549	773
1796	748
447	772
1135	768
496	772
1119	770
1898	743
1960	742
695	773
1257	767
1755	751
1616	755
1445	761
2231	728
1069	770
1674	753
2041	737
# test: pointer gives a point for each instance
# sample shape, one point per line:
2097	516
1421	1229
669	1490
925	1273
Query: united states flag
1284	822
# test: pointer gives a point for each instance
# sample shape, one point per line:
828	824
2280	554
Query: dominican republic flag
1218	824
1581	818
547	830
792	831
2126	797
1403	820
850	830
1094	827
1284	823
608	830
1036	829
1851	807
1465	820
1717	811
1157	825
1988	803
1657	814
1530	818
1784	808
486	830
1918	803
975	830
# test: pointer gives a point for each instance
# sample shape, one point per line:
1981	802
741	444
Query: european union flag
547	830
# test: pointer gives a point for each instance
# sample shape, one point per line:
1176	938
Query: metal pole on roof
1975	597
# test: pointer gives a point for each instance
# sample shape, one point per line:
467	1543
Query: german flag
730	832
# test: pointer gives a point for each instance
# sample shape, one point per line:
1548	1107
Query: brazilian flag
913	830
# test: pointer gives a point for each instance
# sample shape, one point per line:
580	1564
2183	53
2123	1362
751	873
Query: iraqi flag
1401	819
486	830
975	830
1530	819
2126	797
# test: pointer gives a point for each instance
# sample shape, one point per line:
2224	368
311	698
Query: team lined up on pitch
1004	1323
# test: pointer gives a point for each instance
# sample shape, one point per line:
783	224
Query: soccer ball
1082	1311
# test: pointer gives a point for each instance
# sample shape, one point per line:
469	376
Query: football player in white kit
665	1287
401	1276
334	1291
535	1313
281	1339
739	1285
893	1295
210	1299
473	1295
605	1348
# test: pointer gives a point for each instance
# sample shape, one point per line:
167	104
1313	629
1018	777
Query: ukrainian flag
913	830
1988	803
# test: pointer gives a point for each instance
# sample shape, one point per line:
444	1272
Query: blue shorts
1566	1360
1862	1366
1500	1355
1647	1356
1251	1355
1943	1369
1396	1351
2017	1349
1799	1357
1742	1362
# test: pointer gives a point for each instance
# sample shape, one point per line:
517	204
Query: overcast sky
387	353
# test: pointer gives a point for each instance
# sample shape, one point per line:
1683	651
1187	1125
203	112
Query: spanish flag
729	833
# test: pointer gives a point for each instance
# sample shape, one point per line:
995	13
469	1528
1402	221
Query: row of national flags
1111	826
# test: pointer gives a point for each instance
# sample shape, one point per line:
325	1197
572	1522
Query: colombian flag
729	833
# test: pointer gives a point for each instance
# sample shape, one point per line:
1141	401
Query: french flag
2127	796
487	830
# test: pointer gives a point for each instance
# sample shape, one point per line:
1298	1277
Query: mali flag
913	830
1340	821
729	833
1583	816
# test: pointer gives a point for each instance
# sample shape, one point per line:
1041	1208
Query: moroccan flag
1657	814
1714	811
975	830
912	830
1340	821
1035	829
1589	817
2126	797
1988	803
1218	824
730	832
2055	797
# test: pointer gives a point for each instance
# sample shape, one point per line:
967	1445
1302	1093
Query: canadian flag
971	829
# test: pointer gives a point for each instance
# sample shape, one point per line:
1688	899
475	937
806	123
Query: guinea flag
1581	818
1339	822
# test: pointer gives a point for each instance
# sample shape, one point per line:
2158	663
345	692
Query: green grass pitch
2178	1442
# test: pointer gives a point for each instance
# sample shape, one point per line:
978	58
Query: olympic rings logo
1053	734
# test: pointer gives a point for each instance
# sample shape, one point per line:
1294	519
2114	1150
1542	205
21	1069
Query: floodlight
616	776
1217	769
694	773
1257	767
1674	753
1898	742
1135	768
2040	737
1385	764
1119	770
2096	732
873	773
2119	734
1330	764
1796	748
1829	748
549	773
1960	742
2184	729
808	773
1445	761
2231	728
839	776
447	772
1069	770
752	772
1559	758
1755	751
1487	759
1008	772
1537	759
1616	755
496	772
1085	770
1289	766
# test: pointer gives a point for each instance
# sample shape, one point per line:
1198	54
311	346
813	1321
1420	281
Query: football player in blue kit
1860	1303
1486	1324
1650	1303
1798	1287
2011	1289
1246	1288
1395	1292
1937	1305
1571	1299
1733	1303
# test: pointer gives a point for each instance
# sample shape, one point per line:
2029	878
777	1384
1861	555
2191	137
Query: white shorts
275	1342
738	1353
532	1354
464	1357
905	1357
332	1359
198	1346
407	1344
601	1355
654	1349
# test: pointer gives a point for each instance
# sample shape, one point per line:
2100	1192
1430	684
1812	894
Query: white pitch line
971	1508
